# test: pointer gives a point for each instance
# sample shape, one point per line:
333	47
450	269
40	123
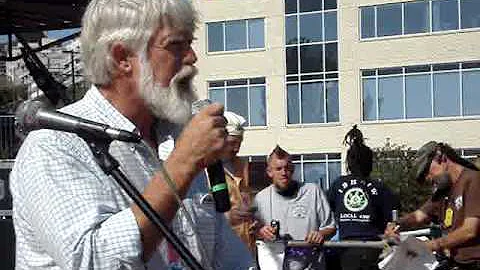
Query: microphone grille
25	116
198	105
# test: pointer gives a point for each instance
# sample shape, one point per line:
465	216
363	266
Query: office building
303	72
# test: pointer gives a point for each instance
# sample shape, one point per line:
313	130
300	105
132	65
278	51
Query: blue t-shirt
362	207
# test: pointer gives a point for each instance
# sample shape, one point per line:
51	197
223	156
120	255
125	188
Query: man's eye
180	45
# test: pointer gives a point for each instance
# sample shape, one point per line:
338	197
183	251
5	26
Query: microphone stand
111	167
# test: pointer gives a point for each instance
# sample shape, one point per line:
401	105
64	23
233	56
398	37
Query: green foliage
394	165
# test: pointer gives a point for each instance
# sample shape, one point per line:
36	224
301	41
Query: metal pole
72	60
341	244
10	45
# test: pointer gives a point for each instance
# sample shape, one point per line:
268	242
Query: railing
9	142
274	255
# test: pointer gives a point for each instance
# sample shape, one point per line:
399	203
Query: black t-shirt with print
362	207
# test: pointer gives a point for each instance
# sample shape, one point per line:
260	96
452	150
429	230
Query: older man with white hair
68	213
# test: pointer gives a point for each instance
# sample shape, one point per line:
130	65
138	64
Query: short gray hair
131	22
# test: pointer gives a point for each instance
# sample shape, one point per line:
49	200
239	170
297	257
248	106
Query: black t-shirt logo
355	200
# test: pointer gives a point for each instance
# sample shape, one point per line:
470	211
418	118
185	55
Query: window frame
224	37
248	86
303	159
429	31
322	75
459	71
324	101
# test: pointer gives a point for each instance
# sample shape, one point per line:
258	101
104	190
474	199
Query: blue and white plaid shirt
68	214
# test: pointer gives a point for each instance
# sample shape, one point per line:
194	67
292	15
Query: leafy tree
394	165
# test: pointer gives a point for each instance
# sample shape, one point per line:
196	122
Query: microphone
33	115
216	174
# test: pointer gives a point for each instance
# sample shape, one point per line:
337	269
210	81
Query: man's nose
190	57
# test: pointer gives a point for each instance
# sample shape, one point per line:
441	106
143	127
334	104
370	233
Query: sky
51	34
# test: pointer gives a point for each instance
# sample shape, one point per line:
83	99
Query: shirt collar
107	112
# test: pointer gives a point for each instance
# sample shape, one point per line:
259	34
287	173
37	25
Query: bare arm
416	218
468	231
163	201
318	237
413	219
327	224
198	145
328	232
266	232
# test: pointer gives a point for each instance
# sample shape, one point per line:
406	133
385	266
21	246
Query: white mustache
183	78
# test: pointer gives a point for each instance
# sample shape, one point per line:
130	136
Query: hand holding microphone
215	171
204	136
201	144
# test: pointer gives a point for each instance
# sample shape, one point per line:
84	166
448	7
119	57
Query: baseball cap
423	159
235	123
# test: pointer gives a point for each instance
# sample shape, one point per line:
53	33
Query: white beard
172	103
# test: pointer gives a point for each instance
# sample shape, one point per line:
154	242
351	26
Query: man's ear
121	57
269	172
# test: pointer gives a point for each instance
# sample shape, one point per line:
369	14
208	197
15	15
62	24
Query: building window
368	22
257	173
416	17
444	15
471	154
428	91
236	35
245	97
320	169
389	20
312	102
311	61
425	16
470	13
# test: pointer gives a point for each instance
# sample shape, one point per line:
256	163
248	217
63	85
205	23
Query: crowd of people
70	214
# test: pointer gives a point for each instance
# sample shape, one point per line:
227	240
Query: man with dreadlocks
362	205
454	203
